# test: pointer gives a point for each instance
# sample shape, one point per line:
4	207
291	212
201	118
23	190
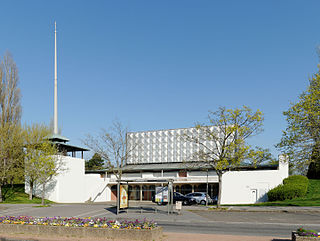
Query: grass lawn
16	195
311	199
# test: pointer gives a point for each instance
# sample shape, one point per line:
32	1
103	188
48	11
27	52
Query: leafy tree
260	156
222	141
11	153
95	163
49	165
301	139
34	139
111	146
42	160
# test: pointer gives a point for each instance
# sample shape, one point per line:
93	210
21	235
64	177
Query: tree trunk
207	191
43	193
220	189
31	190
1	194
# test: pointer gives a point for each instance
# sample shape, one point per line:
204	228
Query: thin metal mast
55	118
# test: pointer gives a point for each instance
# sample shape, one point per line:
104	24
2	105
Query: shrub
296	179
292	187
288	191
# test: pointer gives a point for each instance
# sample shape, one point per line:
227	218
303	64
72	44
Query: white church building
161	156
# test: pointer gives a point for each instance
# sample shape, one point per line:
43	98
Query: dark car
178	197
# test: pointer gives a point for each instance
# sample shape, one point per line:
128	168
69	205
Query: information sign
123	196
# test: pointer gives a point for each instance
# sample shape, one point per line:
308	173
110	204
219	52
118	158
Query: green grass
312	197
16	195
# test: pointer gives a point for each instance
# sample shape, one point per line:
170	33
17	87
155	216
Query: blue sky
160	64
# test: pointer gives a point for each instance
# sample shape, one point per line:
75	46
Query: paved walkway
217	237
273	209
166	237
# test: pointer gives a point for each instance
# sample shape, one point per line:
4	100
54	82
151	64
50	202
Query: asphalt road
249	222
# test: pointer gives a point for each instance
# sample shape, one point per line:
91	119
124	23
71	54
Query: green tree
222	141
11	143
34	139
50	164
301	139
42	160
95	163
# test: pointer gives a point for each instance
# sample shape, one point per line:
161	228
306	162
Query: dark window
182	174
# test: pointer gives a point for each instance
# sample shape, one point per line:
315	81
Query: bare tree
10	116
222	142
111	146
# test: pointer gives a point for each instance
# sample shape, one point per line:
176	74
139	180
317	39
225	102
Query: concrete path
217	237
166	237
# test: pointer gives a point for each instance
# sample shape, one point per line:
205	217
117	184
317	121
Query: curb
82	232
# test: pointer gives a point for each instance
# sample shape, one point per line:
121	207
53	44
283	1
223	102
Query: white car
200	197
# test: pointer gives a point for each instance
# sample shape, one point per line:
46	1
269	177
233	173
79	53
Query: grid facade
162	146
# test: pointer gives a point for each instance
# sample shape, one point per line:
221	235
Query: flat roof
174	166
188	166
68	147
59	138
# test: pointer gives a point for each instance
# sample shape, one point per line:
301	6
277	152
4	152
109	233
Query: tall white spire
55	117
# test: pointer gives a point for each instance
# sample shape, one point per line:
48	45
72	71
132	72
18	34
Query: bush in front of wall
296	179
283	192
292	187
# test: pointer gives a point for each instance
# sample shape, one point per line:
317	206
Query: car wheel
185	202
159	203
203	202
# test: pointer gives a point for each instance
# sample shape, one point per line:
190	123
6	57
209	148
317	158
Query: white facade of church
163	155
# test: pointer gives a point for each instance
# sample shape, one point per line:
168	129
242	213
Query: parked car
214	199
200	197
177	196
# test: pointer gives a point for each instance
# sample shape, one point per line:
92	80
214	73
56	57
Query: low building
160	156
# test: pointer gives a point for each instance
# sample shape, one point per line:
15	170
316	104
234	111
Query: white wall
74	186
245	187
96	188
70	184
238	187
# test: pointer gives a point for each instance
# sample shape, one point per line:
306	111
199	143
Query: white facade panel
247	187
74	186
162	146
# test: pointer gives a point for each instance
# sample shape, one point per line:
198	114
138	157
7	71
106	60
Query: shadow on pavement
13	239
281	239
138	209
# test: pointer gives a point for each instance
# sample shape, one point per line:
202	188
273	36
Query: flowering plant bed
304	234
81	227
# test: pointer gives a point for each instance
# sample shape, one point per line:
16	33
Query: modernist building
161	156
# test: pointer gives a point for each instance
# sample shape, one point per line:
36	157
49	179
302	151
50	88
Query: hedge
296	179
292	187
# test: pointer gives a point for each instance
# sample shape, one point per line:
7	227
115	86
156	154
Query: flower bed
303	235
81	227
